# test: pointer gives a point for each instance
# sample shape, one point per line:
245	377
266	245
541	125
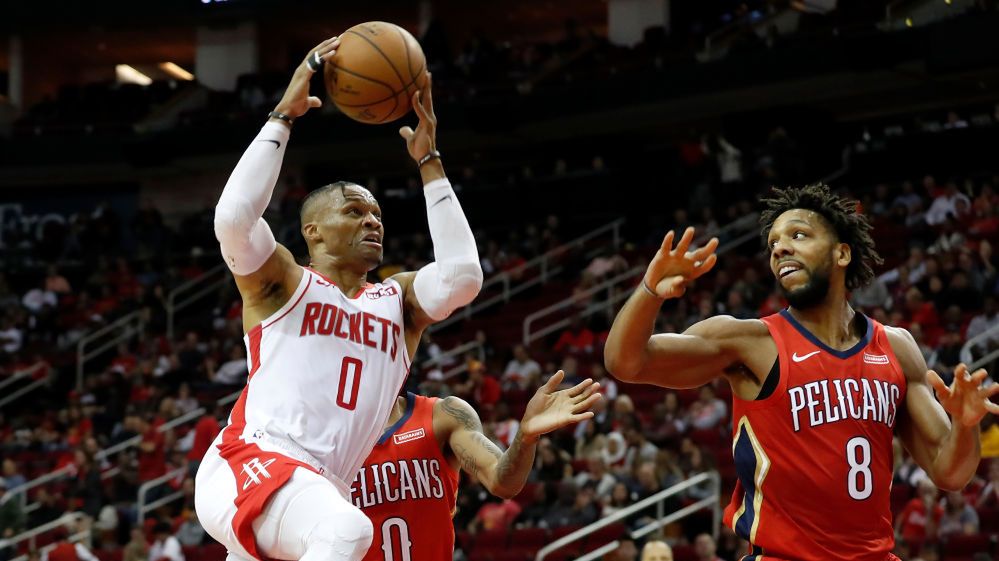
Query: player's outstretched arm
948	449
265	272
504	473
689	359
455	277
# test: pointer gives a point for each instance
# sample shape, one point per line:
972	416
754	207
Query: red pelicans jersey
324	373
814	459
408	490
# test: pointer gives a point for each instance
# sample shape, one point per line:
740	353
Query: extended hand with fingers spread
549	409
673	268
965	400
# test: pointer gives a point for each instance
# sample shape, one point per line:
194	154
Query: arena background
576	133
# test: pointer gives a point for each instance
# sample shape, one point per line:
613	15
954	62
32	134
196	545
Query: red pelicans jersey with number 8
814	459
325	370
408	490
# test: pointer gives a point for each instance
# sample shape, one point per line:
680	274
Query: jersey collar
818	343
410	402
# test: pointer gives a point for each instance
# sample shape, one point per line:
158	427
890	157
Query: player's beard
813	293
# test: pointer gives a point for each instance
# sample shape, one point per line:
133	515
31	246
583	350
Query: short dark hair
851	227
314	195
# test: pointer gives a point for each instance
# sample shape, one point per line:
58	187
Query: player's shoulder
452	413
729	327
906	350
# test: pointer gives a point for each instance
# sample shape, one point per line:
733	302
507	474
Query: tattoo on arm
469	422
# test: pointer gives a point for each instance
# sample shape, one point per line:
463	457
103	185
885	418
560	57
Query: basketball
375	72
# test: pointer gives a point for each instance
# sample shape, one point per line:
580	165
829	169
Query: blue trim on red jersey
818	343
745	468
410	403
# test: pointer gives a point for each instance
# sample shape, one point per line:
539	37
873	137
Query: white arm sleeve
455	277
246	240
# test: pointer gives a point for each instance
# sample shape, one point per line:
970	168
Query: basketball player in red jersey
818	389
409	484
327	351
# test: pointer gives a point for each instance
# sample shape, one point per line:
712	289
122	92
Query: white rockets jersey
325	370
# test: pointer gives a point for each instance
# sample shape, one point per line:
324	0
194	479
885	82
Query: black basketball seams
373	81
405	45
394	94
378	49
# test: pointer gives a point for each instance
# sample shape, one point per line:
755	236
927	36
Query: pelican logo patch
409	436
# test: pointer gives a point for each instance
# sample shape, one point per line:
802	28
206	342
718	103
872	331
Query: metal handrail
173	306
22	373
30	535
745	222
658	499
542	261
129	331
965	354
13	396
64	471
144	489
81	536
528	337
459	350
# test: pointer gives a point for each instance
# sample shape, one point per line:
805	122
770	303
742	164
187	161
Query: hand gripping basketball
296	100
423	140
673	268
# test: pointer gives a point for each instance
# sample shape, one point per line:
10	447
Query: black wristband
282	116
430	156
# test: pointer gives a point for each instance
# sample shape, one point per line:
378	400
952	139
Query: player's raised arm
947	449
684	360
504	473
455	277
265	272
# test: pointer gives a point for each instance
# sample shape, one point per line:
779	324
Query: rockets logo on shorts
254	469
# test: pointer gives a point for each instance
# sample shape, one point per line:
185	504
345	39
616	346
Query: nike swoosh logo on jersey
444	198
797	358
276	143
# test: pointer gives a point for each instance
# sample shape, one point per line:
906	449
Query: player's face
801	257
353	226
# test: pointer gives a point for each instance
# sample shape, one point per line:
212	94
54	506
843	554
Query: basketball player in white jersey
327	351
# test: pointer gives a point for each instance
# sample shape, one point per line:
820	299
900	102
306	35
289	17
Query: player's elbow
231	220
506	492
951	482
622	365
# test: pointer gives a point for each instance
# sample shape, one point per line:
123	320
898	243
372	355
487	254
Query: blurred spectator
506	426
232	373
136	549
165	546
574	507
497	514
434	385
11	337
596	474
919	520
55	282
152	452
958	518
205	431
577	338
190	532
626	551
708	411
705	548
945	205
989	497
522	371
11	515
480	388
639	448
608	387
657	550
988	319
620	498
12	474
47	509
64	550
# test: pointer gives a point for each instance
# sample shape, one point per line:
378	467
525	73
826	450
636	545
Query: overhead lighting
129	75
176	71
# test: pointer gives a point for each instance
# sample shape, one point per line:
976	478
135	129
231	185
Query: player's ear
842	254
310	231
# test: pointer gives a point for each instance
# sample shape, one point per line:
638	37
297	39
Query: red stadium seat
191	553
529	537
966	546
213	552
605	535
491	540
684	553
989	520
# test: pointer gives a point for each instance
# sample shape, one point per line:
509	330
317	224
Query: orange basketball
375	72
